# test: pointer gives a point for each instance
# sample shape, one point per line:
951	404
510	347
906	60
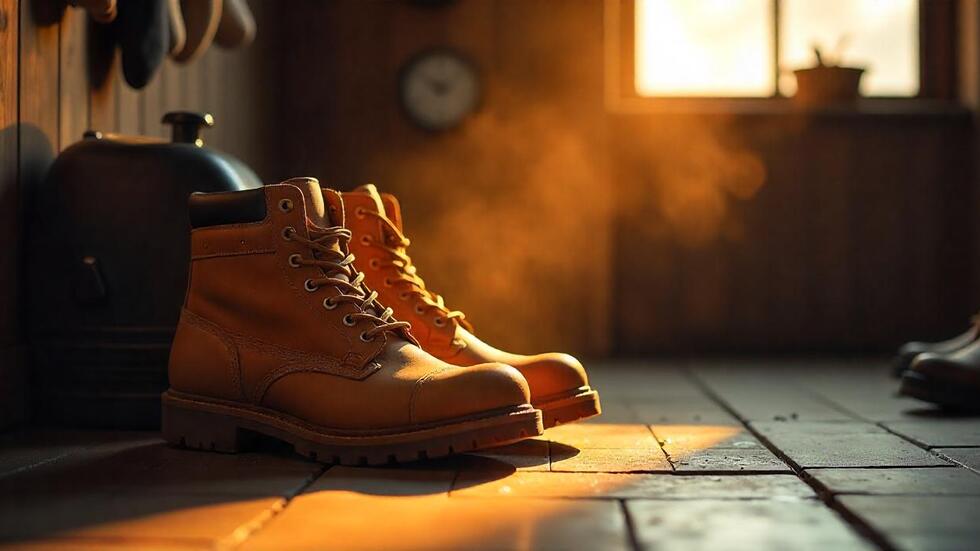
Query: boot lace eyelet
373	264
349	320
366	338
285	205
294	260
365	240
310	286
359	212
439	322
403	296
419	310
329	304
388	282
287	233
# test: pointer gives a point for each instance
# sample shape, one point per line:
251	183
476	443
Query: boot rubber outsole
950	396
576	405
200	423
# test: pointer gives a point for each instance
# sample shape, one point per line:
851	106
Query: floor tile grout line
237	539
452	483
31	466
634	541
862	527
122	543
957	462
914	442
74	450
834	405
660	445
880	424
620	497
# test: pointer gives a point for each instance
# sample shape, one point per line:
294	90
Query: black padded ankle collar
227	207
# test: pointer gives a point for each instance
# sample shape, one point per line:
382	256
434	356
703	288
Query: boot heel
203	430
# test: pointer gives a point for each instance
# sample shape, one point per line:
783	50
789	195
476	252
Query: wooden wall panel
103	80
39	99
507	213
60	98
859	237
852	242
11	353
38	134
73	109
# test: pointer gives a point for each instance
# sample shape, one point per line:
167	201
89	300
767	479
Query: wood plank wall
48	99
509	213
555	223
858	234
12	386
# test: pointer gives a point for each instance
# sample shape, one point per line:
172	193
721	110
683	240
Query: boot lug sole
568	409
203	424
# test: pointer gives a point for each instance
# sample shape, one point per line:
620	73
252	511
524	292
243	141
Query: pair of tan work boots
281	335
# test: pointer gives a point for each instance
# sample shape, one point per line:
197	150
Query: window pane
704	48
880	35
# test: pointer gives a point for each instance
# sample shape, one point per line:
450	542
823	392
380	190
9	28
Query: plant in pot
828	83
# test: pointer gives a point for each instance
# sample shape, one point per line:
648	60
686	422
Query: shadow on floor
61	484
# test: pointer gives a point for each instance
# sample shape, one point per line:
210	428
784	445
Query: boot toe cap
553	374
456	392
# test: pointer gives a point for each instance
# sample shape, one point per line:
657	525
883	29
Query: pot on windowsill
827	85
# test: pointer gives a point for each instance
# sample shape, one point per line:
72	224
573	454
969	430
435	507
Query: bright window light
880	35
725	48
705	48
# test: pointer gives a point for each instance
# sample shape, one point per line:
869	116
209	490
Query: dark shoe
950	380
908	351
143	34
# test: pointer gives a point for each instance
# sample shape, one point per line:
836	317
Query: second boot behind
558	382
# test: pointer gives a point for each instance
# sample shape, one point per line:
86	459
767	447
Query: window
880	35
683	50
705	48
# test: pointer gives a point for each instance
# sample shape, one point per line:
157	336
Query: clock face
439	89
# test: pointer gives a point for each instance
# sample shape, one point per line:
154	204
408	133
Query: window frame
937	67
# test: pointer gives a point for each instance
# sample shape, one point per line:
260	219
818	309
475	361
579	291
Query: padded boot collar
229	207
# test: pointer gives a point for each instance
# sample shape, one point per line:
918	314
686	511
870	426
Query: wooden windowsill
865	107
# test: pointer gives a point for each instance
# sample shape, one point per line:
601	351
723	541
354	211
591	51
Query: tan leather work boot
279	336
559	385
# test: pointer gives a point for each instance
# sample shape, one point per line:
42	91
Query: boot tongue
371	191
316	214
316	210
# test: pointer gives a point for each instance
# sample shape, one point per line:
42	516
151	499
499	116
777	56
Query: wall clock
439	89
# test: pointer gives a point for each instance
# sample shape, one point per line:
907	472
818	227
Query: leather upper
958	368
252	331
914	348
910	350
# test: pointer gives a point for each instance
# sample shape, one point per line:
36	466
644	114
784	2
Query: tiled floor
692	455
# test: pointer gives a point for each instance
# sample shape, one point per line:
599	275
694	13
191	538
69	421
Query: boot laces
338	271
395	244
